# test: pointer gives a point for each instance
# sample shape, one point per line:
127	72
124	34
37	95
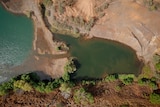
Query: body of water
16	35
98	57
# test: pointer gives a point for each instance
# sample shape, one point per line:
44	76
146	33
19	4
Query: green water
99	57
16	35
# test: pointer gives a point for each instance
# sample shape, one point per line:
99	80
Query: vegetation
28	82
111	78
152	5
80	92
149	82
127	79
156	60
91	82
124	78
6	87
24	85
82	97
154	98
47	2
70	66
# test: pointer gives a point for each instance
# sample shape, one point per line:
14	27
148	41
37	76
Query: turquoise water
16	35
98	57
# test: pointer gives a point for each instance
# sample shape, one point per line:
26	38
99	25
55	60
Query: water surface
16	33
98	57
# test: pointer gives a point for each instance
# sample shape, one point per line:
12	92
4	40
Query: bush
158	66
154	98
66	76
70	66
150	82
46	87
127	78
65	87
82	97
111	78
146	72
5	87
22	85
88	82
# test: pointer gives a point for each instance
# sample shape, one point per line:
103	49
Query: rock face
133	24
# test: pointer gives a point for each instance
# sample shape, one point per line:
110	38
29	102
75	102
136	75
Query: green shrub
154	98
65	87
6	87
111	78
84	82
127	78
22	85
66	76
158	66
46	87
70	66
82	97
150	82
146	72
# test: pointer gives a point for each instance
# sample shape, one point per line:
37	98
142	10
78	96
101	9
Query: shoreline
46	65
36	26
33	18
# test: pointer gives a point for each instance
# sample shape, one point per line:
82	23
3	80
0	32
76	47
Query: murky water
99	57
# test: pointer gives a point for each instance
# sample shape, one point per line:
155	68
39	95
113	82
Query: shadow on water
74	77
77	64
42	75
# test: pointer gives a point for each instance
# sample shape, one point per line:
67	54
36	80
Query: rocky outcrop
130	23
